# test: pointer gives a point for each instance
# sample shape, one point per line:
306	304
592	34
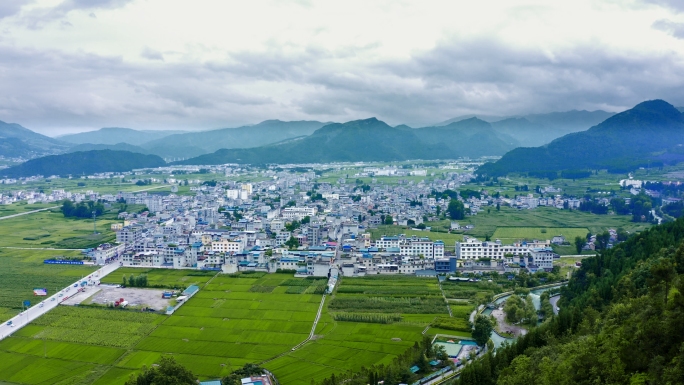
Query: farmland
221	328
370	320
162	278
515	234
51	229
23	270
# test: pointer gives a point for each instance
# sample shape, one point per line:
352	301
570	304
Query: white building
471	248
298	212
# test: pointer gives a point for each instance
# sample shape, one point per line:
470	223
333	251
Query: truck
166	295
123	304
119	302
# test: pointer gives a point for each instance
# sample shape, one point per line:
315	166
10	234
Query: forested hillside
620	322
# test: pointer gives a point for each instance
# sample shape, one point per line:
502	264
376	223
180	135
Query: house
558	240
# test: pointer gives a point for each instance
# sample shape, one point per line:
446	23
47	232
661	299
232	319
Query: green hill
85	162
114	147
17	141
360	140
650	133
370	140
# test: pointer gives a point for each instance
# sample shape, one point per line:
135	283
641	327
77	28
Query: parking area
105	294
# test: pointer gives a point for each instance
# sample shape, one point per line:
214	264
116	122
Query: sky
79	65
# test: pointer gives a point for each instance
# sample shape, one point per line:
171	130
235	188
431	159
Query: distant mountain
266	132
371	140
359	140
86	162
538	129
650	133
114	135
681	109
17	141
114	147
470	137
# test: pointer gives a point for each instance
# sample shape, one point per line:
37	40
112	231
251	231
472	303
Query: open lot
106	295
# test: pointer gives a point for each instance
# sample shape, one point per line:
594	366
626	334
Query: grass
162	278
50	229
514	234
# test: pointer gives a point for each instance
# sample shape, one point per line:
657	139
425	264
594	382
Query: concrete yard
105	294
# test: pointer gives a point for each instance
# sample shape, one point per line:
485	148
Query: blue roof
192	289
214	382
414	369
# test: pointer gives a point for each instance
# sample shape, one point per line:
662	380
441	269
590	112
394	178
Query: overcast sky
77	65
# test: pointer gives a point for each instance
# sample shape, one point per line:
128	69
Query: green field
345	345
486	224
23	270
48	229
162	278
515	234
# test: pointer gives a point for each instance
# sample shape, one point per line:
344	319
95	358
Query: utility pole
94	222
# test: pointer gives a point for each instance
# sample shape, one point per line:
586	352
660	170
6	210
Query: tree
456	209
602	240
167	372
579	244
389	220
482	330
498	206
306	219
292	243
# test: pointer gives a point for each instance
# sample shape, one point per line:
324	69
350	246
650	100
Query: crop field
369	321
18	208
23	270
51	229
514	234
162	278
224	326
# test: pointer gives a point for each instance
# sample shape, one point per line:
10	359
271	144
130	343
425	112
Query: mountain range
114	135
538	129
372	140
651	133
19	142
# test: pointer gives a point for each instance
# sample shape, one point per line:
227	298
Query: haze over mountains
648	133
651	133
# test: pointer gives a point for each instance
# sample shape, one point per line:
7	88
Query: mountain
359	140
650	133
114	135
470	137
538	129
85	162
525	132
371	140
681	109
203	142
114	147
17	141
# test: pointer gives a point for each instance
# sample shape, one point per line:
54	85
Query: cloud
671	27
676	5
149	53
40	17
11	7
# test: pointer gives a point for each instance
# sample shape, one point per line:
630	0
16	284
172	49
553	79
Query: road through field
25	317
28	212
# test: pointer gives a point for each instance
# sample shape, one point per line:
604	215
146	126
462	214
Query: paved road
37	248
28	212
48	304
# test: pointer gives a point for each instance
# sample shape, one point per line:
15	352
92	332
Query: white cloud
216	63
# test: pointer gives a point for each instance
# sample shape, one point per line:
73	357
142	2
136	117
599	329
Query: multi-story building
298	212
129	234
472	248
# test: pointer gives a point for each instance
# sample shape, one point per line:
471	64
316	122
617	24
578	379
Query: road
28	212
50	303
